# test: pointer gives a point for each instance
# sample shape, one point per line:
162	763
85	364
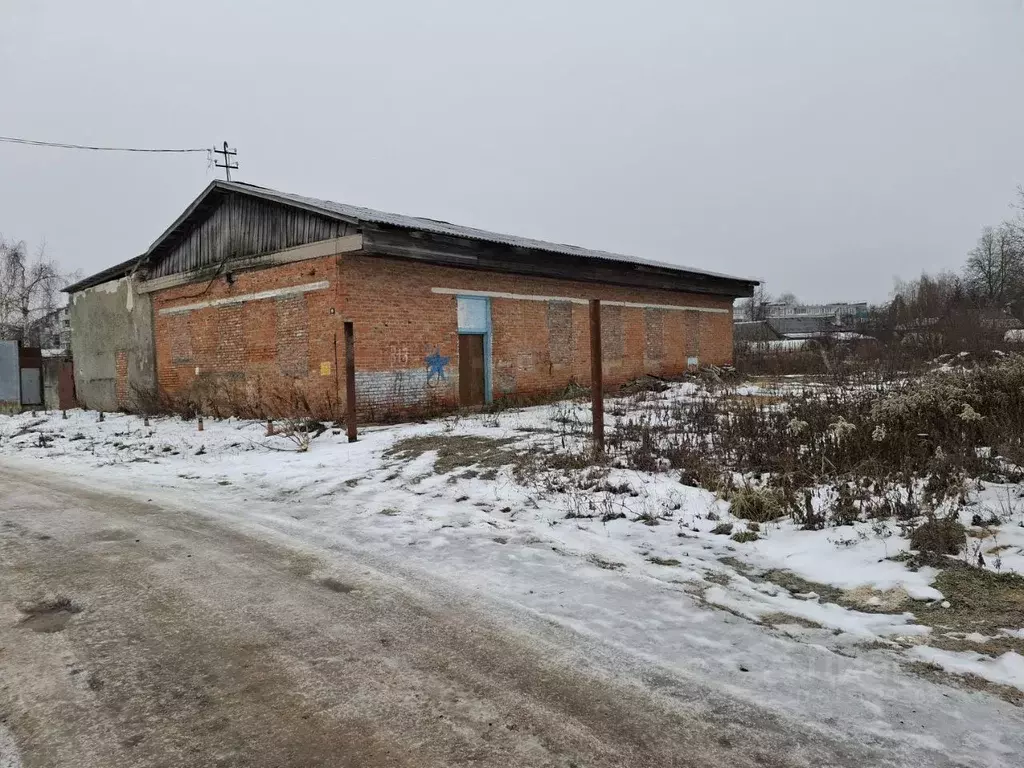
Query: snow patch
1007	669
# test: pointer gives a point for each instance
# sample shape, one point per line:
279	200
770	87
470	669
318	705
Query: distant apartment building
841	310
52	331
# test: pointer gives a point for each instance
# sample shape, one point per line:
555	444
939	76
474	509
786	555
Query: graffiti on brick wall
385	389
436	365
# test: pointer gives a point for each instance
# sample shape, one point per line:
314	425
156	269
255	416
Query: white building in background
841	310
52	331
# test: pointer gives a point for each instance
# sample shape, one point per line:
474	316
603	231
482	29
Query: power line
62	145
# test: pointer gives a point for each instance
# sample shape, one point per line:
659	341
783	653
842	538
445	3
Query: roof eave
740	287
115	272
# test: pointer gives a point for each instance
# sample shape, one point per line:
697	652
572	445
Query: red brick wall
264	351
537	346
121	380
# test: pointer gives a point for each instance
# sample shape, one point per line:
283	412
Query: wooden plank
240	226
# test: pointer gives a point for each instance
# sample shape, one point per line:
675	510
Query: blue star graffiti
436	364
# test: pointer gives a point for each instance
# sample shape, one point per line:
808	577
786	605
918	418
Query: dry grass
937	674
670	561
761	505
456	452
608	565
775	619
799	585
744	537
980	601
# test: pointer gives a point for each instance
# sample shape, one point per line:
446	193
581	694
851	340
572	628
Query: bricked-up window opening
231	328
691	334
654	334
691	340
474	324
561	341
613	338
181	338
292	336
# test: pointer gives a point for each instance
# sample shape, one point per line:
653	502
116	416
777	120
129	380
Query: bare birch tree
756	307
29	288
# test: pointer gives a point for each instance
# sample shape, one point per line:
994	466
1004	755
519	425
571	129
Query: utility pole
596	376
350	382
228	163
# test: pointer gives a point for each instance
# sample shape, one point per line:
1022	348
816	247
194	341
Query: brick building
244	297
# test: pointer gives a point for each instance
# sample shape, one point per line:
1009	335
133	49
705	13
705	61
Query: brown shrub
939	536
762	505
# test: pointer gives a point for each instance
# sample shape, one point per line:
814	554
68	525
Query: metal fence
21	376
10	376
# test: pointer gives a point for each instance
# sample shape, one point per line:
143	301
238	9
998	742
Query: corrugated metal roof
110	273
754	330
814	325
358	213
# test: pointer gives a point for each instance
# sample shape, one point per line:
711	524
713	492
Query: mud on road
138	635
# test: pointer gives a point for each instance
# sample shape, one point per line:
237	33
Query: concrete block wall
112	344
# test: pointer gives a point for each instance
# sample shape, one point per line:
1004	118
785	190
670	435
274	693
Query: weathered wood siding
244	226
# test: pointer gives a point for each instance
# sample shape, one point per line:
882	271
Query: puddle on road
337	586
49	616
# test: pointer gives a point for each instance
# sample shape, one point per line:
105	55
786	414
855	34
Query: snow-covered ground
651	579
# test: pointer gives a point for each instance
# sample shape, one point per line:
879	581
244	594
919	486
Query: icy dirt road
197	642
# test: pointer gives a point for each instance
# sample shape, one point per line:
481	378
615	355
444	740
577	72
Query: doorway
472	384
474	322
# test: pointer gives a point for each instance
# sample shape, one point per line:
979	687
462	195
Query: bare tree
29	288
756	307
995	266
789	298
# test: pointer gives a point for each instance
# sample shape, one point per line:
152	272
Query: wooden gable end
239	226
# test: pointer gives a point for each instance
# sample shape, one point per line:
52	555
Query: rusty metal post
350	382
596	375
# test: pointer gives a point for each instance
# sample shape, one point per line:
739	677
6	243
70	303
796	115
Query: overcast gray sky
823	146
